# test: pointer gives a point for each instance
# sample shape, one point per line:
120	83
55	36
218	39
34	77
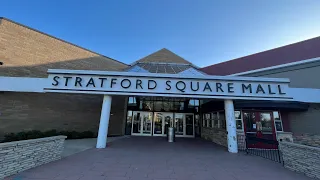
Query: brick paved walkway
146	158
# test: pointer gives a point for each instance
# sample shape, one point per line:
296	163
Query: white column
104	122
231	126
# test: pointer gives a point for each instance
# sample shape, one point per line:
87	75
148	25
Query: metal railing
265	148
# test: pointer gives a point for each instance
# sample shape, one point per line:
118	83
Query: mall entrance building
152	116
47	83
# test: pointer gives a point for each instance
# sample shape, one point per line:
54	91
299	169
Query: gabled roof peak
163	56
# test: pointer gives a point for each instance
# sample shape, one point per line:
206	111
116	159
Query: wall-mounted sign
141	84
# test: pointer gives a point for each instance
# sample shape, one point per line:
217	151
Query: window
215	120
132	101
222	120
238	118
277	121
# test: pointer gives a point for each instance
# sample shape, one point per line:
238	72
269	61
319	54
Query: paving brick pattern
150	158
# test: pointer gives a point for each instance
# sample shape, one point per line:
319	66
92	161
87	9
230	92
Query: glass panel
239	124
168	122
237	114
189	124
279	126
266	122
136	127
214	116
167	105
191	103
129	123
222	120
276	115
147	120
132	101
158	106
216	123
209	123
158	123
196	102
250	121
178	124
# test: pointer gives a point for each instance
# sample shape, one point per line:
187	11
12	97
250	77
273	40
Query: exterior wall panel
46	111
301	76
306	122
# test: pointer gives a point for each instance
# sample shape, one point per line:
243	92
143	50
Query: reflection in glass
178	124
250	121
266	122
158	120
276	115
237	114
239	124
129	123
189	124
147	120
168	122
279	126
136	127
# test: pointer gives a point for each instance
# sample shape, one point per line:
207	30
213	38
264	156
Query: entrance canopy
150	84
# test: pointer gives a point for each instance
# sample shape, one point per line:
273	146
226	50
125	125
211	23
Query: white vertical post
231	126
104	122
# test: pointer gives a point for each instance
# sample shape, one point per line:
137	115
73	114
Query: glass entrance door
161	123
142	123
259	125
184	124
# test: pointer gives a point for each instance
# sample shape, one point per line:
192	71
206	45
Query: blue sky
204	32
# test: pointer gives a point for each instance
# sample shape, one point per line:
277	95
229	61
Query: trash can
171	134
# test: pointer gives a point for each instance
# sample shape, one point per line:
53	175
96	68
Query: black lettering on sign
181	86
78	81
154	84
244	88
112	82
230	88
139	83
270	90
67	80
207	86
260	89
192	86
56	82
102	81
125	80
219	87
168	85
280	91
91	82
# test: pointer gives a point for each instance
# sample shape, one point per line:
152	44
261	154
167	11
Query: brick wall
218	136
301	158
27	52
45	111
307	139
18	156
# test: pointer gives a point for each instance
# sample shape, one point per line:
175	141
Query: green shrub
38	134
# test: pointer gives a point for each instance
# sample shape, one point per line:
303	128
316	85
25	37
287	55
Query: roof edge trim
277	66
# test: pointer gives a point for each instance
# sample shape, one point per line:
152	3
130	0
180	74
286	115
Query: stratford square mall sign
172	85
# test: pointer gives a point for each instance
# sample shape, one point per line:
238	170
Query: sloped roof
286	54
27	52
163	56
